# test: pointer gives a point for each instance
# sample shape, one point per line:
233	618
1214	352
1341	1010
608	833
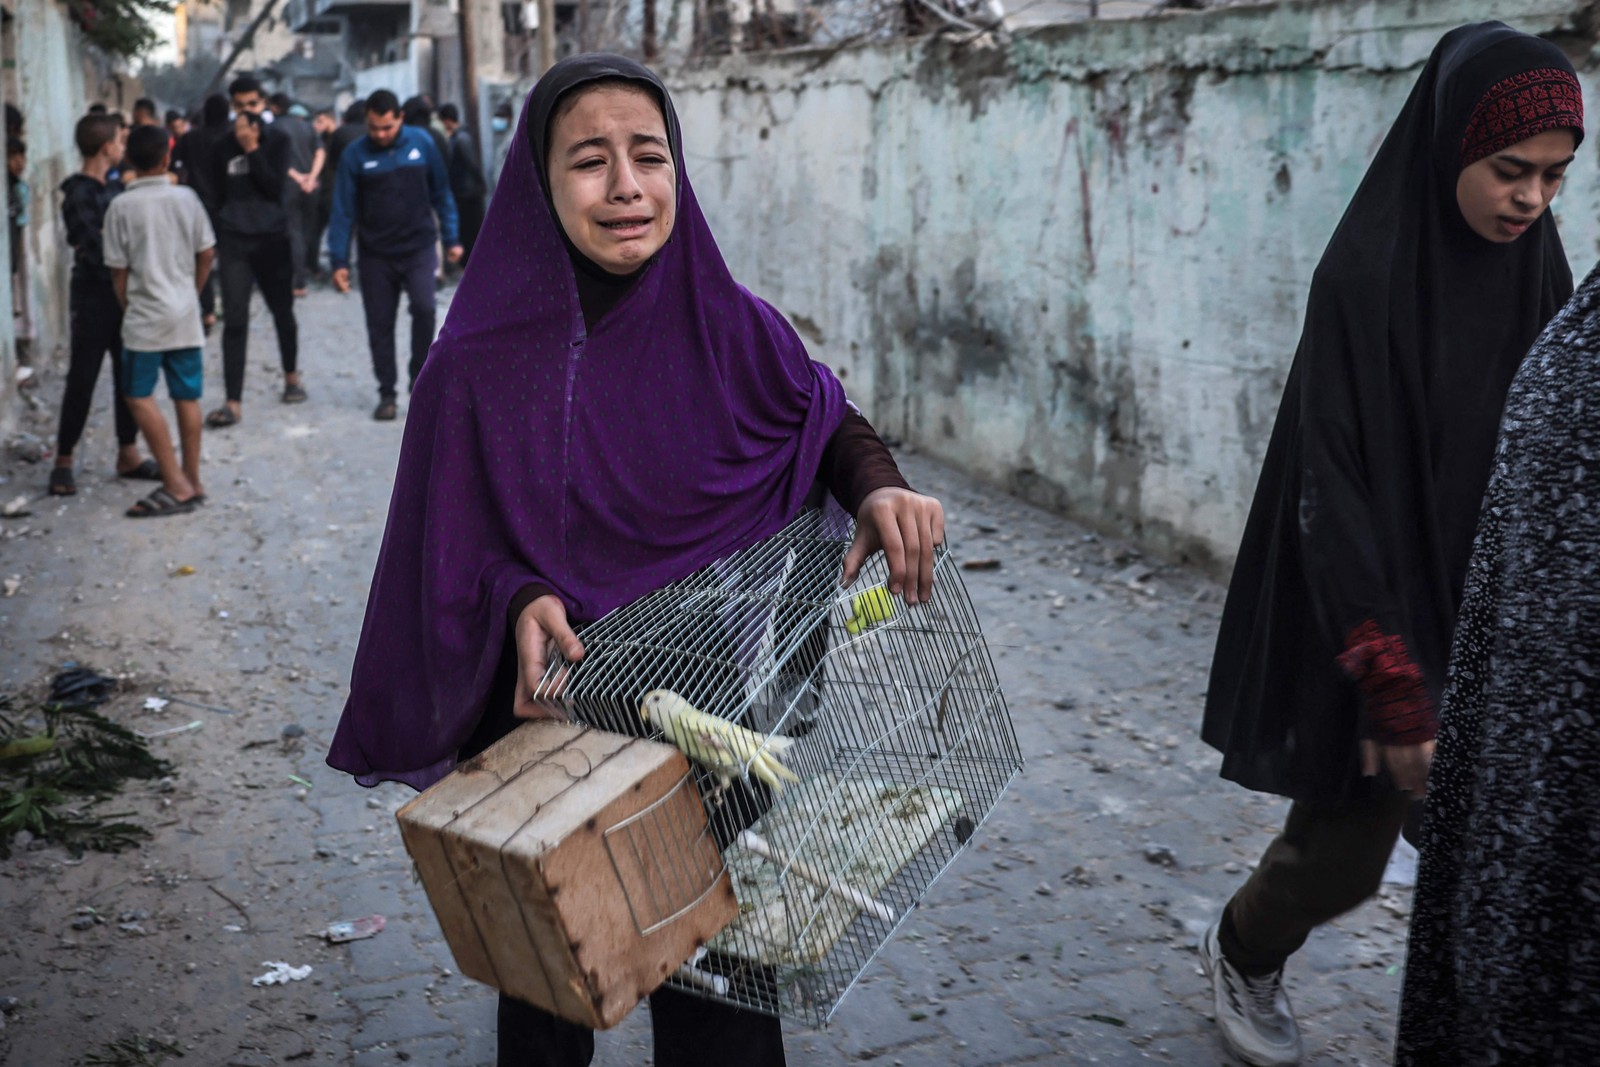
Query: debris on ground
354	929
1160	855
980	565
169	731
138	1051
27	447
280	973
60	759
1134	576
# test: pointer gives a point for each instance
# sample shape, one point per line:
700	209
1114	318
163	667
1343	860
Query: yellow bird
868	609
724	748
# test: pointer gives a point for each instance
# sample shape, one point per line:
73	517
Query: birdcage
889	724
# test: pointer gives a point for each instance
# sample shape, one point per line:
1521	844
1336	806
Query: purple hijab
689	422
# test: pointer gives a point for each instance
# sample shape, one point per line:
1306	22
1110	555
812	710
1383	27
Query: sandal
222	418
158	505
147	471
294	394
62	483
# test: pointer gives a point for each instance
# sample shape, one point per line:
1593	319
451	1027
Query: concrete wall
1075	262
52	83
399	77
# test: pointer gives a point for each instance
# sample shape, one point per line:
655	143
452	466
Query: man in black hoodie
191	162
92	303
467	183
249	168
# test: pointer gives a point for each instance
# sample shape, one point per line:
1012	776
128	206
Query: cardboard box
570	868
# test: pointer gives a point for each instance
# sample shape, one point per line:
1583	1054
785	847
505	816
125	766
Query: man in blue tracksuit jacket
390	185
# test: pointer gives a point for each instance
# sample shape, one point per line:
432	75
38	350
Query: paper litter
280	973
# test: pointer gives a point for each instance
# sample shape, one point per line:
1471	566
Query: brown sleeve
525	596
857	462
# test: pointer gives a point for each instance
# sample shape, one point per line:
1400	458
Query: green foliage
93	754
133	1052
120	27
42	810
51	790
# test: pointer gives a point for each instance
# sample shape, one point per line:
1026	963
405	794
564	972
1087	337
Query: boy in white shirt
159	246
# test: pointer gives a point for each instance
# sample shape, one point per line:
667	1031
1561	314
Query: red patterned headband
1519	107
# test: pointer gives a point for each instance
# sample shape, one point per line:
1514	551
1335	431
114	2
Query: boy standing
96	318
18	195
159	245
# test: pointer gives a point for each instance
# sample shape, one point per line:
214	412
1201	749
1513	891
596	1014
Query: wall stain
807	327
1072	135
979	72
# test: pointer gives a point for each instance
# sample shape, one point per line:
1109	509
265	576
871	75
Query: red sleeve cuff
1392	685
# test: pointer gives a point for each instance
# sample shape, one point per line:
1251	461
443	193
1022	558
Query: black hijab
1369	494
599	290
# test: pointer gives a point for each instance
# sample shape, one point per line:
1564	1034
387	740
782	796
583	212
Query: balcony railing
301	13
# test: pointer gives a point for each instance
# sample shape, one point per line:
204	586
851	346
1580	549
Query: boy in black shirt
249	168
96	315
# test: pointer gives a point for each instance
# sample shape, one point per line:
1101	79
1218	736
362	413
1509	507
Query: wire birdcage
891	720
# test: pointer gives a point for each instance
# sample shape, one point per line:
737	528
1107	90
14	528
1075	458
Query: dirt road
1064	935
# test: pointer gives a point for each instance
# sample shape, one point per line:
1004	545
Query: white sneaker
1253	1014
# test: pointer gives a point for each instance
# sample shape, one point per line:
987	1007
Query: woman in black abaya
1339	617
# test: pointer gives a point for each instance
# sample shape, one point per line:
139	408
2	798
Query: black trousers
690	1031
264	260
383	279
96	332
208	295
470	213
1326	861
297	205
316	226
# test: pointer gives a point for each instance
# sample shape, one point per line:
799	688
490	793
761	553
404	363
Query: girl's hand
541	627
1407	765
907	526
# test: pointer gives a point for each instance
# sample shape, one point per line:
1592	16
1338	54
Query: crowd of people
245	195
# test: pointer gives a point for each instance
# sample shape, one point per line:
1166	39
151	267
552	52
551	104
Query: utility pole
468	36
240	46
547	35
650	47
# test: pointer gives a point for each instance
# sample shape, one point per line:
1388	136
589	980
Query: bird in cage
726	749
868	609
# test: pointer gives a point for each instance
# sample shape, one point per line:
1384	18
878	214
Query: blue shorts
182	366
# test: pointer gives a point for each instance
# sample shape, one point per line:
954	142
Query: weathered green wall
1074	263
53	67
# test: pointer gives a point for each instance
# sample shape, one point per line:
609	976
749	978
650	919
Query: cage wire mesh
889	723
